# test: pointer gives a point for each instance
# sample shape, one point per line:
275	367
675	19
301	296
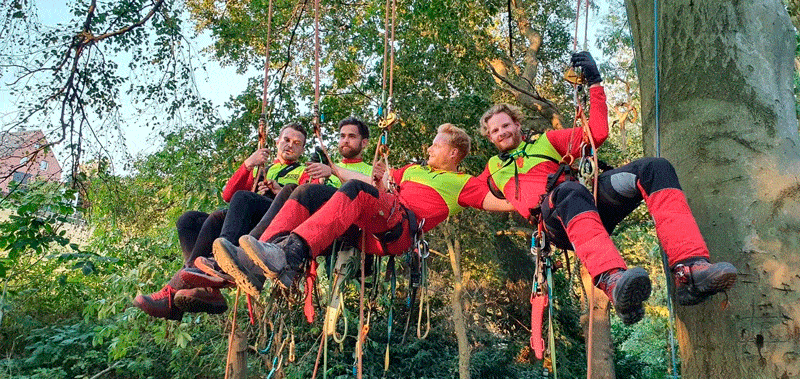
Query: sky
139	139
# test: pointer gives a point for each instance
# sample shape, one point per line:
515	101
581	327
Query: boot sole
230	265
152	310
196	279
194	305
210	270
247	243
633	289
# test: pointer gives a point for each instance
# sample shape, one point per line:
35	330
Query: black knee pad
191	220
656	174
312	196
243	195
218	216
353	187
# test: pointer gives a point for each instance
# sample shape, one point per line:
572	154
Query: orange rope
359	344
262	132
233	330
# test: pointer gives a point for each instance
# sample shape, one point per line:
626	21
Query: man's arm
492	203
345	175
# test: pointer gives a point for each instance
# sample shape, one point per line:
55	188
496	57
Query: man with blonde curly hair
531	175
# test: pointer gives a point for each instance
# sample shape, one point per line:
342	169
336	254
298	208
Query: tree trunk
237	356
459	322
602	350
728	124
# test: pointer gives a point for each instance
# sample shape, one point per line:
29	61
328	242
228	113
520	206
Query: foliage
77	323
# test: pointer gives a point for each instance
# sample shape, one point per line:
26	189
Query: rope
233	330
317	127
664	260
388	117
510	32
424	300
391	51
391	317
359	341
262	122
551	338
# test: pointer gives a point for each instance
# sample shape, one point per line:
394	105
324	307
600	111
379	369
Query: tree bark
459	322
728	124
237	356
602	350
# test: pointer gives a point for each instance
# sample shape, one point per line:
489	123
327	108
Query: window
43	165
21	177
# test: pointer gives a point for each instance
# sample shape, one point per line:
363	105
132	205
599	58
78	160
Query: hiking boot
194	277
211	267
207	300
626	289
249	277
697	279
282	261
160	304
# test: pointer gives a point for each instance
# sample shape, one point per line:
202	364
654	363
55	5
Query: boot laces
607	281
165	292
684	273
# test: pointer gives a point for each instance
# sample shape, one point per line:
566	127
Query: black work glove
585	61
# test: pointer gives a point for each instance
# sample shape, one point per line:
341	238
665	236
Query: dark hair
363	130
294	126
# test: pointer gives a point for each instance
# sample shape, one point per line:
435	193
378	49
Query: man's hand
378	170
258	158
273	186
379	175
585	61
318	170
262	188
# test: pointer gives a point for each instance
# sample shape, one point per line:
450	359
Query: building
22	159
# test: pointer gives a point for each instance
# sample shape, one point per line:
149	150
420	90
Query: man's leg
570	214
302	203
277	203
245	210
210	230
354	203
188	226
654	180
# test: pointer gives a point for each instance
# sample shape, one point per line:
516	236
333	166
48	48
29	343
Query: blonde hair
514	112
457	138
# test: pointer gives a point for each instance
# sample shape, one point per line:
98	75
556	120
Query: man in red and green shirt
190	289
572	219
303	228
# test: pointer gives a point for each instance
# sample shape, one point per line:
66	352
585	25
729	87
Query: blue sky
138	138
